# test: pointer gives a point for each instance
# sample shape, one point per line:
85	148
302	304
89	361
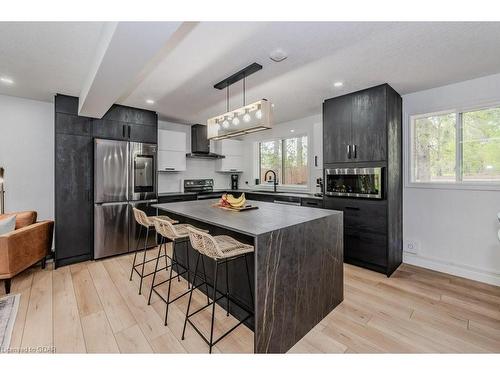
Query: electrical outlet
411	247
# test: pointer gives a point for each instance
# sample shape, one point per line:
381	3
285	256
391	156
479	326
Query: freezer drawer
134	228
111	229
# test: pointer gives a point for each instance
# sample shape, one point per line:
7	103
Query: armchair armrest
24	247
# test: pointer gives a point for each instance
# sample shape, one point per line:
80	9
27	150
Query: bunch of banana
228	200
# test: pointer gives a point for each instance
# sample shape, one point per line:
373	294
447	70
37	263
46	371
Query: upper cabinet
355	126
318	146
171	151
233	152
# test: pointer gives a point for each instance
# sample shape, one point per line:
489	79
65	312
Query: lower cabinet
365	231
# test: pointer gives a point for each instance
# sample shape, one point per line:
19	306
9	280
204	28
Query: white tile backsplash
195	168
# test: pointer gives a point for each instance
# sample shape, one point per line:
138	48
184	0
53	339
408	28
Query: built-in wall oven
354	182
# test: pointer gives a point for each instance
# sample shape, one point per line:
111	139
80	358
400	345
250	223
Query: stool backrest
165	228
204	243
141	217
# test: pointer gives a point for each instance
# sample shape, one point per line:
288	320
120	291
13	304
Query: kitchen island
297	268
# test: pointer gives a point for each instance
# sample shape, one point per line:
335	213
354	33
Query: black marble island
297	270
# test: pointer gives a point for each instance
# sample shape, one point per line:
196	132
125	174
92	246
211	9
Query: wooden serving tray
238	209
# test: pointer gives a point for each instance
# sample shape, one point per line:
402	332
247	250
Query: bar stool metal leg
135	253
190	297
144	260
170	282
214	299
204	279
162	243
227	290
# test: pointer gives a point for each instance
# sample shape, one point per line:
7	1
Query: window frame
282	140
459	183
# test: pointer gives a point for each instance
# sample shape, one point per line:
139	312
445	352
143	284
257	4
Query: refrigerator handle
128	131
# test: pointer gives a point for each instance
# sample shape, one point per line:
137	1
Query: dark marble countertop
267	218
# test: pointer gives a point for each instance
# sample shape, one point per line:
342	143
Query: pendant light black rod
227	99
238	76
244	89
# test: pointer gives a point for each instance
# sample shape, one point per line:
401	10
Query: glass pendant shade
247	119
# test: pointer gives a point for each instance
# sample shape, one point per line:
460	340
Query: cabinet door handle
352	208
170	169
355	148
316	160
348	151
123	131
128	131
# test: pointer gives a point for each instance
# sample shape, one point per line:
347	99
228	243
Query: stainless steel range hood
200	145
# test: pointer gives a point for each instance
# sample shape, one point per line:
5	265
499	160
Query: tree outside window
456	147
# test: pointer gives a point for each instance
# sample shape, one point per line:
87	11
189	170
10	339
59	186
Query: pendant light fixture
247	119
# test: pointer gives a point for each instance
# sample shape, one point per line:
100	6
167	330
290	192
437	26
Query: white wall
195	168
303	126
456	230
27	154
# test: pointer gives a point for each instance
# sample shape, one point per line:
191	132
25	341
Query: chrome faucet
275	181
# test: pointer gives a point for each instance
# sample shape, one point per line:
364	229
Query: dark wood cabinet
337	129
73	191
363	129
74	150
110	129
131	115
143	133
354	126
72	124
368	125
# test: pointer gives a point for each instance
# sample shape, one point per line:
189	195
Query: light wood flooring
93	307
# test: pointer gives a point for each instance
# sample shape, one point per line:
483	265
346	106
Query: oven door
142	176
354	182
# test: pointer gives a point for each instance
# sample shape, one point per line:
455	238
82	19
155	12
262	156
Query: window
287	158
456	147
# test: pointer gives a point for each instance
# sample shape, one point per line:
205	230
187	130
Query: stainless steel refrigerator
124	177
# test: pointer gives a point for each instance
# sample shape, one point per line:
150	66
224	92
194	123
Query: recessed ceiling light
272	105
6	80
292	131
150	101
338	84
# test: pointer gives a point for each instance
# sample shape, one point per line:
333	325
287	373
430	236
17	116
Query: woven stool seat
217	247
167	229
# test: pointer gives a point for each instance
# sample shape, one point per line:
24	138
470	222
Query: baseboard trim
473	273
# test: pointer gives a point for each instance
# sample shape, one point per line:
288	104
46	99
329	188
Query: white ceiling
47	58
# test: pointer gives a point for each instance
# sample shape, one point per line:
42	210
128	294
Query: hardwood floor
93	307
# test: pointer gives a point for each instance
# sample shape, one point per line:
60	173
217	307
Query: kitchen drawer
366	216
311	202
365	247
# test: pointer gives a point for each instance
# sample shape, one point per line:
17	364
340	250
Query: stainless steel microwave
354	182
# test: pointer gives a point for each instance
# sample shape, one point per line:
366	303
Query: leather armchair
28	244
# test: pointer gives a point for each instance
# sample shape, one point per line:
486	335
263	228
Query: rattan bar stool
222	249
146	223
177	233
